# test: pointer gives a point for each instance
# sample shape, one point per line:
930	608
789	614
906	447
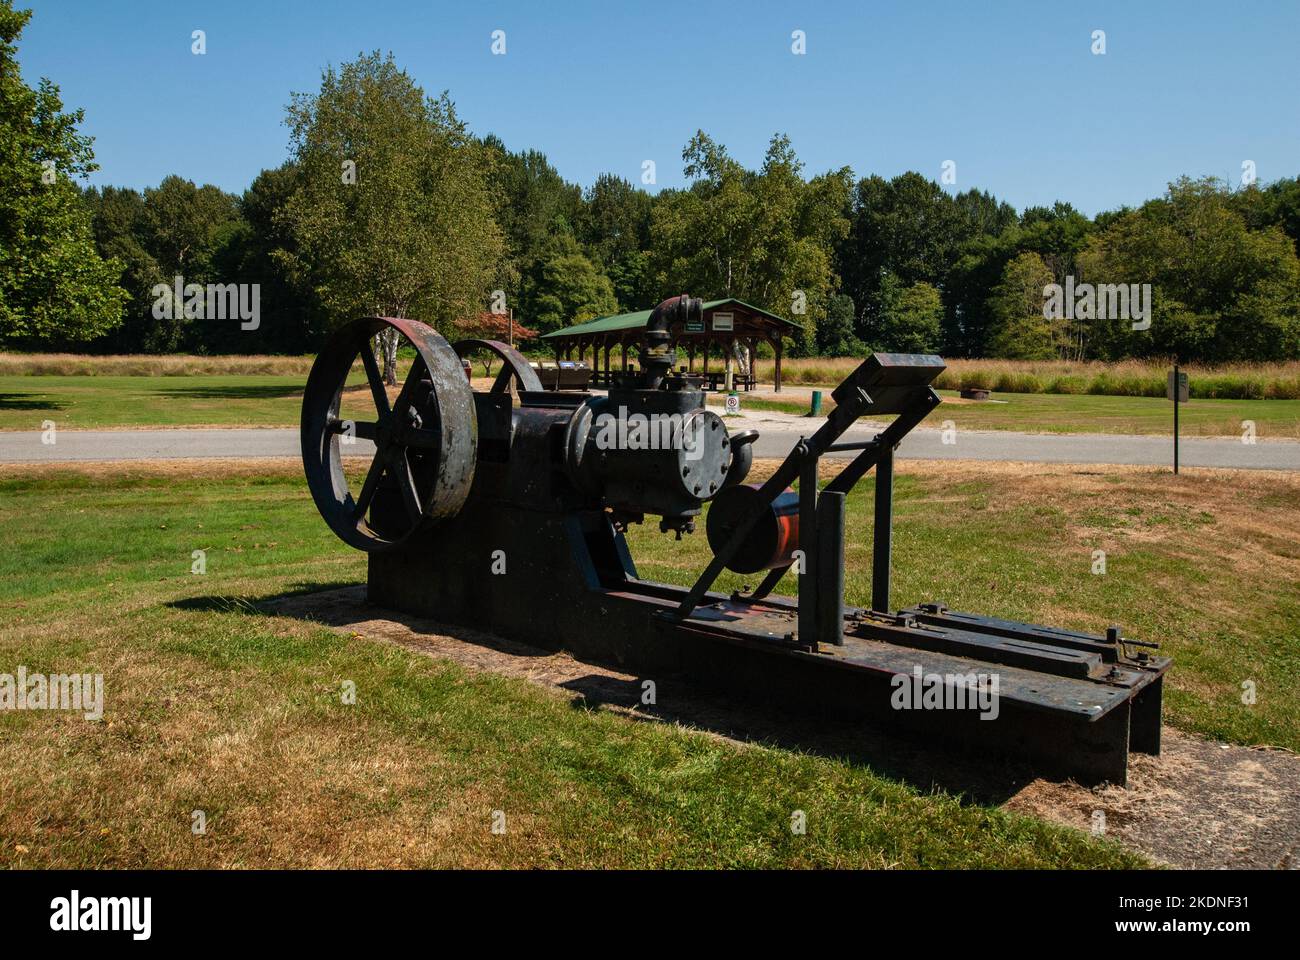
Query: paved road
928	443
777	434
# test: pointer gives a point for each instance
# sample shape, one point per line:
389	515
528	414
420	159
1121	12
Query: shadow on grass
974	778
258	606
30	401
985	780
256	391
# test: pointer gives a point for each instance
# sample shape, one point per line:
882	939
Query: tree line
389	204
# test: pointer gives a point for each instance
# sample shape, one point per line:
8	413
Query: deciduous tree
54	286
393	213
1020	330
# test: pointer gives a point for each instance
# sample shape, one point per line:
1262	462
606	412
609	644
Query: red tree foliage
493	326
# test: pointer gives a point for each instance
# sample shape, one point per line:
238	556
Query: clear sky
1009	91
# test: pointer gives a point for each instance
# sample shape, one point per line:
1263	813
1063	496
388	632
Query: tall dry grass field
1125	378
147	365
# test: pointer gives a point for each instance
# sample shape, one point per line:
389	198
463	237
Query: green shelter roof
632	321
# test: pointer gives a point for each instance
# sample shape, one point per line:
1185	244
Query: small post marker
733	404
1177	391
816	409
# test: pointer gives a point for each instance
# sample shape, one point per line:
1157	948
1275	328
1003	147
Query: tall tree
176	229
614	226
54	286
261	250
1220	290
907	228
533	202
393	213
912	321
533	205
121	229
763	236
1057	234
1021	331
836	337
563	287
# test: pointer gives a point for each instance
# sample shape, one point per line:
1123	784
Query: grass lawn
1206	564
1066	413
88	402
212	706
82	403
1086	413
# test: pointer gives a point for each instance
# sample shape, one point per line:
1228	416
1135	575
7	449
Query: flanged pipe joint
657	354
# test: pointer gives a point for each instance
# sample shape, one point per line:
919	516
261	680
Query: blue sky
1010	91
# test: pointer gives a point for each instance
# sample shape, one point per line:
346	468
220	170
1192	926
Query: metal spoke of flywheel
365	429
414	376
376	380
368	488
406	483
502	383
419	472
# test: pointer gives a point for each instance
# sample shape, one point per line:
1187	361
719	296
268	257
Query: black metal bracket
882	384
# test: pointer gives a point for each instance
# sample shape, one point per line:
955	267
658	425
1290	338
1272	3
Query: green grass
86	402
1063	413
1071	413
212	706
102	401
1204	564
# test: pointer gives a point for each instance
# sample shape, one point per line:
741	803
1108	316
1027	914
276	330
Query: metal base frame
1071	704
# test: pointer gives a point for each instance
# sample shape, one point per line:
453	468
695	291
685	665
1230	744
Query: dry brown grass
181	468
148	365
238	715
1056	368
1061	477
277	785
1280	380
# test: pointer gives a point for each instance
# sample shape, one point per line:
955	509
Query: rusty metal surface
442	501
425	440
1037	681
515	365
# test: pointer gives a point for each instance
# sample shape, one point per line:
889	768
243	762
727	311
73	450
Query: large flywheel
424	437
515	368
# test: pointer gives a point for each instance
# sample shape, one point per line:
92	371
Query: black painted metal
426	440
534	550
830	567
809	609
514	365
882	533
771	540
884	383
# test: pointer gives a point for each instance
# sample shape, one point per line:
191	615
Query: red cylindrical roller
773	538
